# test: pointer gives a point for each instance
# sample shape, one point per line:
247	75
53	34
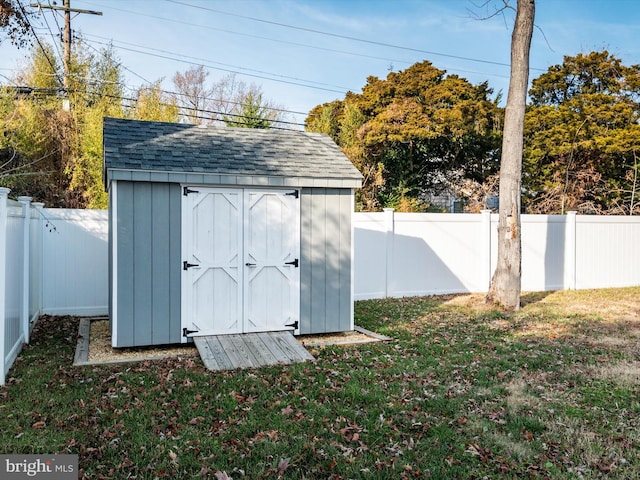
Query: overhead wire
345	37
120	64
55	17
305	45
259	73
258	37
275	123
178	94
240	70
53	37
207	111
228	70
168	92
214	62
45	53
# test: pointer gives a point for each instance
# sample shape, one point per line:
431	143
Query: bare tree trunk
505	284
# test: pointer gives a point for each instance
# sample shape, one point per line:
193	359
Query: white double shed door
240	251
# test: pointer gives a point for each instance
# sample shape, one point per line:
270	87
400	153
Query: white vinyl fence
55	261
75	262
409	254
17	312
52	261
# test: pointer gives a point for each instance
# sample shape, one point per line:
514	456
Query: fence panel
607	251
14	276
436	253
543	251
75	262
35	264
370	255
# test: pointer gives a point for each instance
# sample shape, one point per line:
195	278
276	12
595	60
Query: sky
303	53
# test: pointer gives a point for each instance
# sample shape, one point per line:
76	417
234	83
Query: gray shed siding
147	256
325	264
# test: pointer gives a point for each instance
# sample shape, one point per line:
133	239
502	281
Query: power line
219	63
167	92
55	18
236	69
119	64
46	55
178	94
259	37
50	91
66	8
180	60
304	45
206	111
345	37
53	37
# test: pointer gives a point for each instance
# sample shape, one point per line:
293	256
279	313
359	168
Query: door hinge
186	191
295	263
293	325
186	332
295	193
186	265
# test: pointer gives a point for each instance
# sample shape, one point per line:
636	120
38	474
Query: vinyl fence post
570	252
389	222
4	193
26	235
485	253
39	259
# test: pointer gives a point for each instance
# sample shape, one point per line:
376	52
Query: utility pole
66	38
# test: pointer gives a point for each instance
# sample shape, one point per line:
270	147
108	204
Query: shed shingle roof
305	159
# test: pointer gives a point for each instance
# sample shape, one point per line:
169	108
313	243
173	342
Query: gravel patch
101	351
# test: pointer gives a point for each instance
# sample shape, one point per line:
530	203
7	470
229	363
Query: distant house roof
173	152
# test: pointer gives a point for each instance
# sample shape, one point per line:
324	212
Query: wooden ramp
250	350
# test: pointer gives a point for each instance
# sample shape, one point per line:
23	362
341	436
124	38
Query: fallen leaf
270	434
473	449
39	424
282	466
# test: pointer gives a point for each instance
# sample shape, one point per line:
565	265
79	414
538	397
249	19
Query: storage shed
219	230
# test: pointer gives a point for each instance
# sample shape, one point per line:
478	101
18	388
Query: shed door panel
213	278
241	247
272	239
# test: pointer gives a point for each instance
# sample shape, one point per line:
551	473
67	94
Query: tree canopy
228	101
50	152
417	132
582	137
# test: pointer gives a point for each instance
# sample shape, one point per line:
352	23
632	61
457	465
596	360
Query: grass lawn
462	391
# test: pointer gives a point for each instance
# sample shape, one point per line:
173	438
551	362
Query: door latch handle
294	263
186	265
250	264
